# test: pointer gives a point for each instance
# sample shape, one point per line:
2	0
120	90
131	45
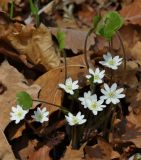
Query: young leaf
109	25
61	39
34	11
24	100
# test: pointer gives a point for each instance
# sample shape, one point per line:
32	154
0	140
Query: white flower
41	115
110	62
112	94
75	120
95	105
97	75
18	114
69	86
87	95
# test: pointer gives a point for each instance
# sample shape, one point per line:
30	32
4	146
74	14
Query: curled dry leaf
35	44
75	39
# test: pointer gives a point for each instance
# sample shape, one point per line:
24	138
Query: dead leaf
75	39
49	82
5	149
72	154
132	13
14	82
100	151
35	44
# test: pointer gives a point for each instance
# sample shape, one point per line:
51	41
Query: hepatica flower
97	75
69	86
111	62
41	115
75	120
94	104
112	94
87	95
18	114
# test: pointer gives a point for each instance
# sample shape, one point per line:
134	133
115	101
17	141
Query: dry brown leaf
14	82
75	39
49	82
136	51
5	149
100	151
132	13
71	154
36	44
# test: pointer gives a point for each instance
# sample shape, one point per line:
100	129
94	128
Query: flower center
75	120
19	114
96	77
69	87
111	62
94	105
111	94
40	117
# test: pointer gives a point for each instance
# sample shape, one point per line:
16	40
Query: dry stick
123	49
85	47
63	109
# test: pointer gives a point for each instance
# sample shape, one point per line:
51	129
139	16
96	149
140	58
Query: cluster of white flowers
18	114
110	93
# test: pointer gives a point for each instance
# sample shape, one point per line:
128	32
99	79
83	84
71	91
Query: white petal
68	81
114	87
106	87
62	86
91	71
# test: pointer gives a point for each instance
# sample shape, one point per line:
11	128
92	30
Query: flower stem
62	108
74	137
85	46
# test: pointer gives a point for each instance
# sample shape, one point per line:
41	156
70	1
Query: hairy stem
85	46
123	49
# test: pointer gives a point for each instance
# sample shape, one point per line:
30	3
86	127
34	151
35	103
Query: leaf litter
38	47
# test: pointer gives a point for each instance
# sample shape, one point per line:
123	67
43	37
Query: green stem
12	9
62	108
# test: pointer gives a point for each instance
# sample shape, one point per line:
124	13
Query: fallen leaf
5	149
101	151
14	82
49	82
72	154
35	44
132	13
75	39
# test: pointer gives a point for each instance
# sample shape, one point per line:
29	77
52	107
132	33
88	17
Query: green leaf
11	9
24	100
96	20
109	25
61	39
